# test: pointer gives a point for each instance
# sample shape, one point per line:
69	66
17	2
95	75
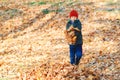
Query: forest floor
33	45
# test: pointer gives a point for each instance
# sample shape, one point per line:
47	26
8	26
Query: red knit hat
74	13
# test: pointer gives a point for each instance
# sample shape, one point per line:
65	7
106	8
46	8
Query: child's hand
71	28
76	29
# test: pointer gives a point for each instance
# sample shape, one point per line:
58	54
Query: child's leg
72	54
78	53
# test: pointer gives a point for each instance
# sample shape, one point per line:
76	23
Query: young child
75	49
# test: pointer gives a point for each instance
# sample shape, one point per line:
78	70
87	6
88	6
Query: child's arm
68	27
71	28
77	29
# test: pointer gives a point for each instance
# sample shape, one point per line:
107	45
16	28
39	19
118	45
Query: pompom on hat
74	13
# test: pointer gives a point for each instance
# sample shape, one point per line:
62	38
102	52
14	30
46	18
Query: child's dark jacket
76	24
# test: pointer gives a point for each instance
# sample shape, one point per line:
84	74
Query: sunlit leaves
38	50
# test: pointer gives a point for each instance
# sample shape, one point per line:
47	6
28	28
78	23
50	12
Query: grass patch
9	13
58	10
36	3
46	11
4	79
3	0
31	3
71	3
112	3
58	4
41	3
12	12
108	9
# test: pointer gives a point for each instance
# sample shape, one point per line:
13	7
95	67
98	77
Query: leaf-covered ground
33	46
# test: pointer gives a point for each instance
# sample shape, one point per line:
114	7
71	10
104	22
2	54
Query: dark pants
75	53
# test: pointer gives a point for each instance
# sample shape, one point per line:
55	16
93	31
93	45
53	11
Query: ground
33	45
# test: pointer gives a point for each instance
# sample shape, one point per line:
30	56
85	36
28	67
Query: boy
76	48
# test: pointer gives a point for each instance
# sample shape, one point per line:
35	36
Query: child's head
73	15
